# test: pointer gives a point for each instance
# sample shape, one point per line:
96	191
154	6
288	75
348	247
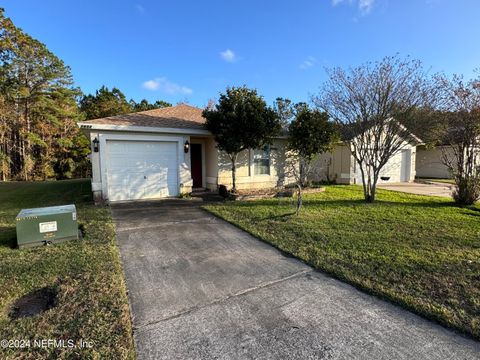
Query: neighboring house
430	162
340	165
167	152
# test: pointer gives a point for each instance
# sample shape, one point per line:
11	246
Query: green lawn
91	305
418	251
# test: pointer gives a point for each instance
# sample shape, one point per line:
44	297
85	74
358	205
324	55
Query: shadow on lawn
356	202
350	202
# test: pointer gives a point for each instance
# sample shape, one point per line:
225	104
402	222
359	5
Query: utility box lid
28	213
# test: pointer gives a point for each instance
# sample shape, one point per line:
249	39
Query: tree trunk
370	179
299	199
373	188
24	159
233	158
364	184
302	172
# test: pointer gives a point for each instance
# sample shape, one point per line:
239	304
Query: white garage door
397	168
141	169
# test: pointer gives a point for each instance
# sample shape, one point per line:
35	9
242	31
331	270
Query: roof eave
85	126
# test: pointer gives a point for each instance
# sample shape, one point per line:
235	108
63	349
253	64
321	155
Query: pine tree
38	110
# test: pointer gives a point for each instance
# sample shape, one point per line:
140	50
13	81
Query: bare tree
366	102
461	105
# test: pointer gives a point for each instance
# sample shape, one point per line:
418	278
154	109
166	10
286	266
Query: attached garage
148	154
139	166
141	169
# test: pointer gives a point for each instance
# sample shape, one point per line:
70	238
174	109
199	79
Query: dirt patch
34	303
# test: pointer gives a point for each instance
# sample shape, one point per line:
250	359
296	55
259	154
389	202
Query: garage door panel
141	169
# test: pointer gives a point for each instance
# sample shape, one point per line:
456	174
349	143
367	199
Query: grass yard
417	251
91	303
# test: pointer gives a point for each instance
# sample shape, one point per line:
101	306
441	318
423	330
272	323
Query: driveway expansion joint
206	220
193	309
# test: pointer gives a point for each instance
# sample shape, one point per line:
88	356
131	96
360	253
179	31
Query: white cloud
166	86
309	62
228	55
363	6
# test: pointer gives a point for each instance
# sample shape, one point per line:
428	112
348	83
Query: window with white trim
261	161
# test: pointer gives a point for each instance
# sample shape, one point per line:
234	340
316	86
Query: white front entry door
141	169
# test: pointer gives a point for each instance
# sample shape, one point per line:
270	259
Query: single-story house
166	152
430	163
340	166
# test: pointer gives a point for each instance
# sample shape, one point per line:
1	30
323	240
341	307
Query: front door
196	161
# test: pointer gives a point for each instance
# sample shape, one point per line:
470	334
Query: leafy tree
105	103
285	110
113	102
38	106
367	102
144	105
309	134
241	120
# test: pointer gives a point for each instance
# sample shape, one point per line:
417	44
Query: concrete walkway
200	288
433	189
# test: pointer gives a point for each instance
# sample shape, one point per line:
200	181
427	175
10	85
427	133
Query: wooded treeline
40	107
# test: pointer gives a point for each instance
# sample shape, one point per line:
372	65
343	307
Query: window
261	161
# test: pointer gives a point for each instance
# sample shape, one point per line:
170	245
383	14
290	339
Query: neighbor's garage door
141	169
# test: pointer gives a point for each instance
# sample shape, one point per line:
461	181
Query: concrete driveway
431	189
200	288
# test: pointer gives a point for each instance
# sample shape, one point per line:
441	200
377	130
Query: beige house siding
211	165
333	166
429	162
245	174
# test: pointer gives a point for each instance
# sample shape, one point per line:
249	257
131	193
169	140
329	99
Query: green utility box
46	225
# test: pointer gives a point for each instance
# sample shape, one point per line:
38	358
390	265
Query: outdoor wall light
96	145
186	147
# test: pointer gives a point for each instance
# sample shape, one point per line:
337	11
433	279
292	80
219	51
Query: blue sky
191	50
